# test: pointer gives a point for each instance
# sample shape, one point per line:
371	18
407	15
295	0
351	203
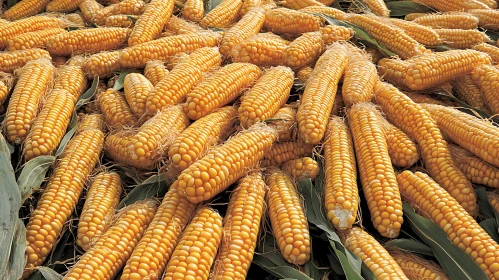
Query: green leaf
492	35
45	273
155	186
120	82
410	245
12	149
484	207
402	8
311	270
490	226
17	252
210	5
456	263
33	174
11	3
87	95
367	273
65	141
134	19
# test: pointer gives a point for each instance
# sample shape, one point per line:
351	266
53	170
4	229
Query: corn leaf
17	251
484	207
45	273
402	8
490	226
88	94
367	273
33	174
134	19
120	82
311	270
156	186
410	245
210	5
11	3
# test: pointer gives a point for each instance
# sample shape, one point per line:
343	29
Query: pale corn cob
417	268
35	39
284	121
423	34
286	21
125	7
71	78
333	33
63	5
13	60
476	169
359	79
137	88
303	74
378	7
102	64
332	12
304	50
116	110
155	71
25	8
89	9
222	15
30	24
447	20
487	18
264	49
468	91
453	5
193	10
462	39
485	76
150	23
490	3
124	21
286	151
302	168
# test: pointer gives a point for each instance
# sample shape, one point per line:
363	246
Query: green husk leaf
17	251
311	270
33	174
11	3
87	95
134	19
467	108
120	83
210	5
484	208
12	149
410	245
402	8
45	273
494	36
490	226
65	140
367	273
155	186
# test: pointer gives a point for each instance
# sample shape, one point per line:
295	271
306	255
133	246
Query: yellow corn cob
178	26
265	98
198	138
326	2
219	89
453	5
318	98
422	34
372	254
109	254
248	5
63	5
102	64
284	121
418	189
448	20
35	79
264	49
491	50
332	12
286	21
360	77
222	15
197	248
91	40
468	91
193	10
124	21
50	125
300	4
151	255
151	22
289	223
205	58
419	72
25	8
485	76
34	23
304	50
225	164
422	98
341	194
60	196
415	267
378	7
155	71
494	200
174	87
125	7
413	16
164	48
304	73
6	84
248	26
378	180
103	196
116	110
91	121
240	228
462	39
89	9
411	118
487	18
3	21
13	60
302	168
137	87
490	3
333	33
71	78
286	151
476	169
35	39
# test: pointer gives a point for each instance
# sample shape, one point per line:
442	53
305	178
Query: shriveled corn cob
333	33
378	180
13	60
486	77
286	21
476	169
125	21
462	39
61	194
491	50
372	254
320	90
302	168
155	71
91	121
116	110
487	18
6	84
332	12
415	267
265	98
411	118
423	34
304	50
360	77
378	7
63	5
35	79
219	89
422	98
154	250
193	10
286	151
103	196
453	5
289	223
35	39
341	194
394	39
225	164
304	73
264	49
198	138
300	4
468	91
494	200
151	22
448	20
197	248
222	15
178	26
249	25
240	228
109	254
102	64
71	78
137	88
25	8
418	189
125	7
89	9
30	24
248	5
284	121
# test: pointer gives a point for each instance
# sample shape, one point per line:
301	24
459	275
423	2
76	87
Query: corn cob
50	125
6	84
137	88
155	71
341	195
34	23
104	260
151	255
35	78
304	51
422	98
372	254
265	98
13	60
71	78
151	22
103	196
240	228
374	55
74	20
300	4
264	49
490	3
248	5
222	15
485	76
326	2
178	26
289	223
124	21
248	26
198	138
248	148
487	18
303	74
453	5
197	248
63	5
419	73
476	169
25	8
205	59
35	39
89	41
333	33
302	168
413	16
219	89
418	124
462	39
320	90
61	194
448	20
116	110
378	7
193	10
164	48
468	91
415	267
102	64
91	121
125	7
418	189
284	121
494	200
378	181
491	50
422	34
286	151
332	12
286	21
359	80
89	9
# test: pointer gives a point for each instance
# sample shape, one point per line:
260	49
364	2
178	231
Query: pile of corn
241	99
